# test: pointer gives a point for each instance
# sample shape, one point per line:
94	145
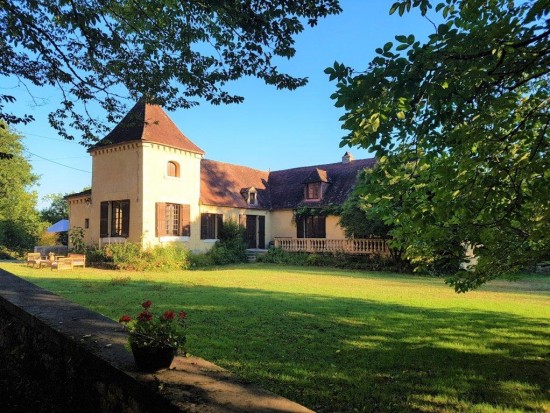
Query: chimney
347	158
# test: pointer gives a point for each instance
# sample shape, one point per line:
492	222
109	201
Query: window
173	219
173	169
313	190
114	218
311	227
86	223
211	225
252	198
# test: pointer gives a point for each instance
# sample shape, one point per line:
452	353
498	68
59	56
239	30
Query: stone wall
80	362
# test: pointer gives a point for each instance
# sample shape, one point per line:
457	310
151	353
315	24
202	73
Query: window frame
311	226
114	218
313	191
211	225
173	219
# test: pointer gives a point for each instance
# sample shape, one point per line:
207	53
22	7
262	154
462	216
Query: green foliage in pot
150	330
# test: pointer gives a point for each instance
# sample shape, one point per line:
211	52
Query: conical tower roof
150	123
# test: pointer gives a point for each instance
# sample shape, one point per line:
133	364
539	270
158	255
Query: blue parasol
59	226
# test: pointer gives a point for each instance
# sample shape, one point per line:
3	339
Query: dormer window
313	190
250	195
173	169
315	185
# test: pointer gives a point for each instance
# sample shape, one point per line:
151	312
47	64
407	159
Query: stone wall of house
78	361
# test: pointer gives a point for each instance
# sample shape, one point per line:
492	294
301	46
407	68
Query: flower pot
151	359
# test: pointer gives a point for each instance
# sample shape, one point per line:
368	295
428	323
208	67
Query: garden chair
33	259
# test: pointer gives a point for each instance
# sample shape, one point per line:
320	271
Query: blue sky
272	129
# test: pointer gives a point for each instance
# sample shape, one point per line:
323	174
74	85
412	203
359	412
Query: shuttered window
114	218
120	218
173	219
311	227
173	169
211	225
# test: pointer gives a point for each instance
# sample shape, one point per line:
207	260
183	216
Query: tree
19	221
459	124
58	209
173	53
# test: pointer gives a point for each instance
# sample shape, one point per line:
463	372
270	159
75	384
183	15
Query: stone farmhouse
151	184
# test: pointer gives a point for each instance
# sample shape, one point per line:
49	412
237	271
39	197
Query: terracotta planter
151	359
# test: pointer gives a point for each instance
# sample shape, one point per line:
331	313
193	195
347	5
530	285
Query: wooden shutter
242	220
261	232
125	205
185	220
161	219
300	227
104	219
319	227
219	219
204	226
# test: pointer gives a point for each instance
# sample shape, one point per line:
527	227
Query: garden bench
79	260
63	263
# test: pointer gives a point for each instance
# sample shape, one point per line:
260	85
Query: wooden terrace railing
376	246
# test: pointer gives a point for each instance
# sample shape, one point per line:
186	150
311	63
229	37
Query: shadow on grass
342	354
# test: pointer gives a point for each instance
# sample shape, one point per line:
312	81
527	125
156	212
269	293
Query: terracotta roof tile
149	123
222	183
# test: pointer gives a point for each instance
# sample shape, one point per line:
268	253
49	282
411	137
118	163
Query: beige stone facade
152	185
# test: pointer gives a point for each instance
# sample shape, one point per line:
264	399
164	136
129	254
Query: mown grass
347	341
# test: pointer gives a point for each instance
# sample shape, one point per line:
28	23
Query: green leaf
394	7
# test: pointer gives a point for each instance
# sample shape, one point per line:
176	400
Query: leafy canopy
19	222
57	210
173	52
459	123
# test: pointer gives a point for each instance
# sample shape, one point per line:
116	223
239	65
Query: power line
53	139
57	163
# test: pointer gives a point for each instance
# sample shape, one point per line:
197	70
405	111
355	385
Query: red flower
125	319
145	316
169	315
182	314
147	304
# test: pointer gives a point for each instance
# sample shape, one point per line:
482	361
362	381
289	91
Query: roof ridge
147	122
234	164
325	165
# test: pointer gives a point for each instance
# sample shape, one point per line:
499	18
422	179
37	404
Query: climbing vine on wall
305	211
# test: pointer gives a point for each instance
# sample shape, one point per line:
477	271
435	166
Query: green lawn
347	341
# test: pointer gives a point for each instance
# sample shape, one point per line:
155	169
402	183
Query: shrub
7	254
338	260
97	257
168	257
48	239
127	255
231	247
278	256
200	261
131	256
76	236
